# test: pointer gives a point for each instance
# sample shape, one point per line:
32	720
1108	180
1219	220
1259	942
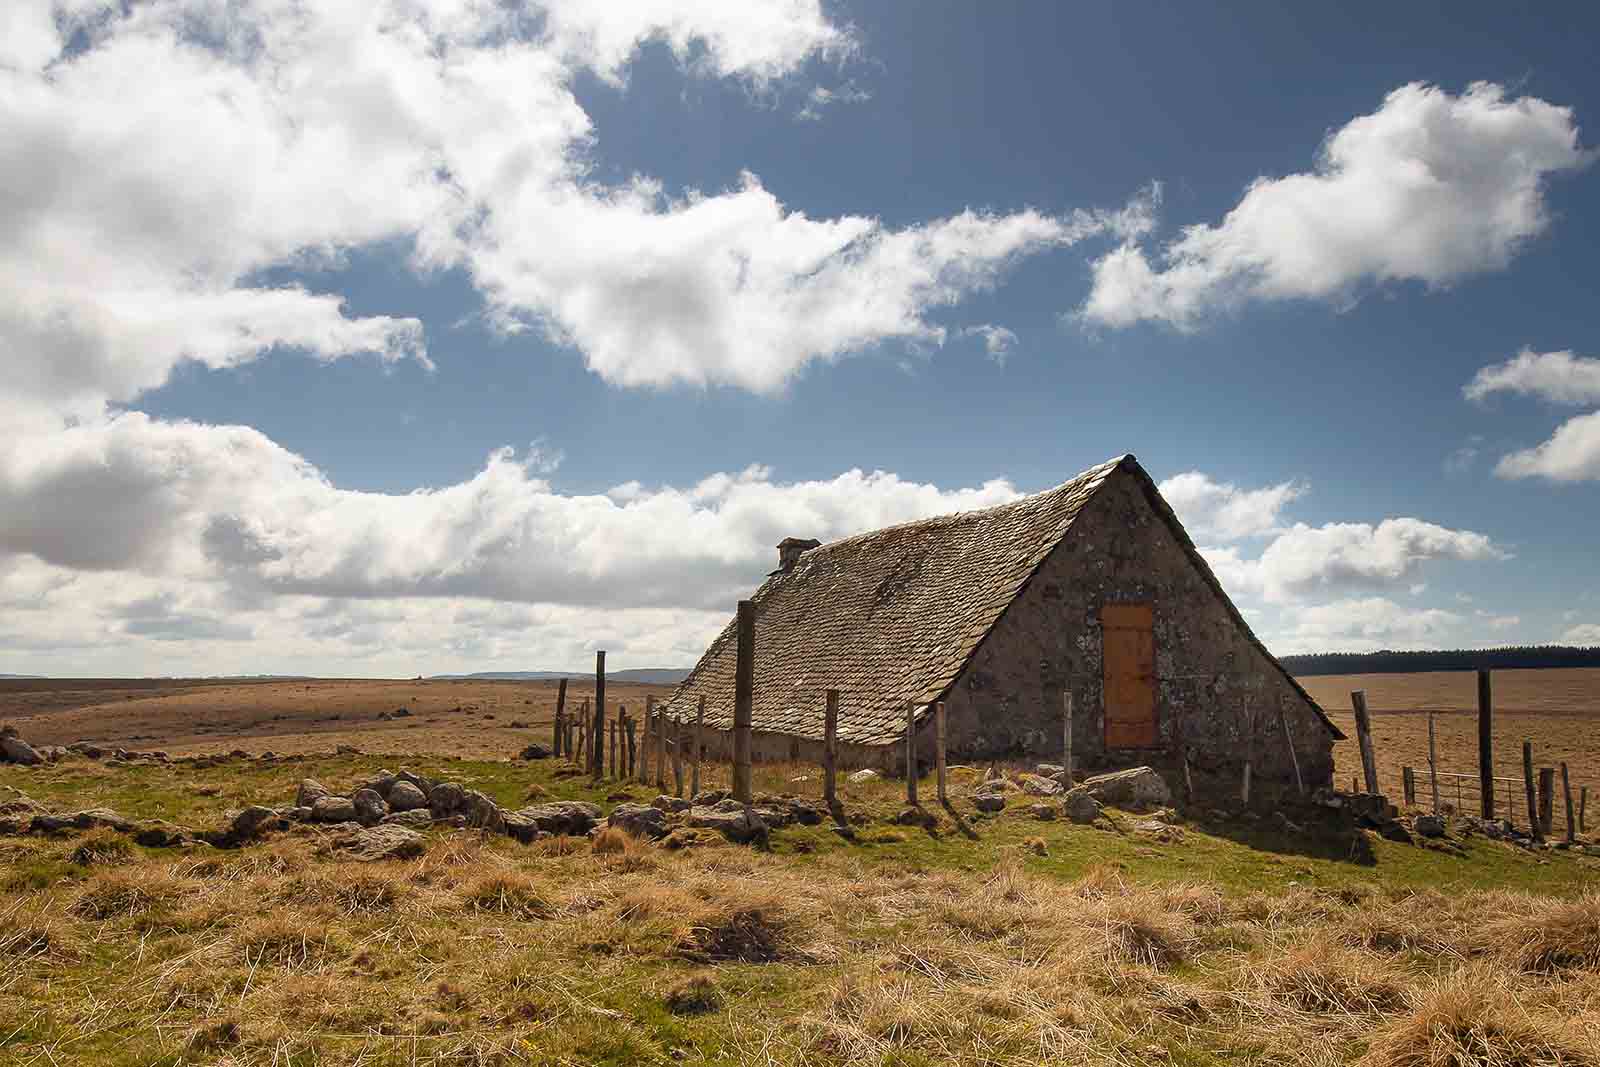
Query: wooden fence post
1583	806
938	751
911	753
1566	791
1547	790
631	743
1294	758
1066	739
596	752
699	740
1369	760
644	740
616	730
1486	744
830	755
661	749
561	714
744	682
1408	786
677	757
1433	765
1527	781
583	737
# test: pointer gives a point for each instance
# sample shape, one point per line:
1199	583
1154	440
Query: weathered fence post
583	737
1408	786
1566	791
1527	781
616	729
677	757
1066	738
1547	790
1583	805
830	755
661	749
596	752
631	743
699	741
1486	744
644	742
1433	765
1369	760
1294	758
938	750
911	754
744	681
561	715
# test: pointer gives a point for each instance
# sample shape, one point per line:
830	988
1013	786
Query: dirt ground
448	718
1558	710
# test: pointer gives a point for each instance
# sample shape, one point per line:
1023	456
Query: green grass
902	947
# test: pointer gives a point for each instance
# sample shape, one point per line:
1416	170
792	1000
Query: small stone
411	818
404	796
162	835
740	826
15	750
571	817
1082	808
482	813
309	793
447	799
640	820
370	806
708	797
1428	826
382	842
333	809
670	803
1138	787
989	801
249	822
533	751
1046	812
1038	786
865	774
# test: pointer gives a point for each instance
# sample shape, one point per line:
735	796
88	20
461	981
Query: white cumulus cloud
1572	453
1431	187
1212	510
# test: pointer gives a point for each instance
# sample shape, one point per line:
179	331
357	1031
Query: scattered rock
346	750
405	796
248	823
14	749
411	818
482	813
1159	830
446	799
865	774
381	842
1138	787
1428	825
708	797
518	724
1392	830
309	793
571	817
989	801
533	751
675	804
916	817
1082	808
1046	812
1286	824
370	806
401	713
298	814
162	835
640	820
333	809
1049	770
1036	785
45	823
740	826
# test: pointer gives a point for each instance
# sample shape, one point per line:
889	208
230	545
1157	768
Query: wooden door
1128	653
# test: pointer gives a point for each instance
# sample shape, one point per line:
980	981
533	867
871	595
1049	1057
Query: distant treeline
1455	659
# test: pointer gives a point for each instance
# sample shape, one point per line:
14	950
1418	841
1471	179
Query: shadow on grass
1318	837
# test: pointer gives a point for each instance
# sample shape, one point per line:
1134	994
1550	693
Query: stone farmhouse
1091	588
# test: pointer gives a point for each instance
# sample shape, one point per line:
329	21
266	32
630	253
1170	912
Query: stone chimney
789	550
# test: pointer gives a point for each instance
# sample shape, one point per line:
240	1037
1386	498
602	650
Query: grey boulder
411	818
640	820
333	809
381	842
740	826
404	796
370	806
447	799
1136	787
309	793
571	817
1082	808
16	750
1039	786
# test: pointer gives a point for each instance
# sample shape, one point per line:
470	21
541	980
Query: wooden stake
596	752
911	754
1433	765
1566	791
744	682
1486	745
1369	761
1244	788
633	747
677	758
1066	739
830	755
1408	786
1188	778
1294	759
1583	806
583	736
561	716
1527	781
644	747
613	729
1547	798
661	749
699	741
938	750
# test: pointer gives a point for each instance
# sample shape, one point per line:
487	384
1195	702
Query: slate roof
893	616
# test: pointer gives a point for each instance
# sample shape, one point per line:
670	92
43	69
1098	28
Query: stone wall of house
1217	695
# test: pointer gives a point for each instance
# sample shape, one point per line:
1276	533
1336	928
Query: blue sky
452	337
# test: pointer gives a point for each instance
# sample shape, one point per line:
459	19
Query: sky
426	336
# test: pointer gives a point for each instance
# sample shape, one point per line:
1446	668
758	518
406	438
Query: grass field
1558	710
1023	942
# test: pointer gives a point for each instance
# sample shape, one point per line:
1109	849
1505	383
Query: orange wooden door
1129	657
